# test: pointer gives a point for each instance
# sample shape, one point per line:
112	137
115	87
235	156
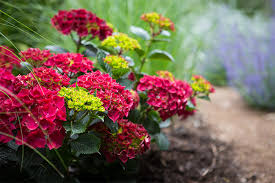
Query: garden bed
193	157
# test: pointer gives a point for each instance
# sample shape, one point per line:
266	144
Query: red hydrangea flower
129	141
39	110
70	63
8	58
132	76
116	100
43	76
41	123
167	97
35	56
6	80
81	21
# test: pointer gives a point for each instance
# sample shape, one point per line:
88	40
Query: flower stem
61	160
78	45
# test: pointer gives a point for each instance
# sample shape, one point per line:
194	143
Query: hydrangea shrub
96	101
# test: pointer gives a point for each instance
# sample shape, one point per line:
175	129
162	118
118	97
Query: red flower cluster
132	76
42	76
40	112
129	141
166	96
116	100
6	80
70	63
35	56
81	21
8	58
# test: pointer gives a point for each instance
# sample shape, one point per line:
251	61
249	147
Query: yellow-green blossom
166	75
158	19
122	41
116	62
79	99
201	85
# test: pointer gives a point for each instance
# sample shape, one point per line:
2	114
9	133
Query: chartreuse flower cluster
121	41
159	20
166	75
201	85
118	64
79	99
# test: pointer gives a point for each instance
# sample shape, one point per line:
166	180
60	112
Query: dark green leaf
160	55
151	126
56	49
80	126
140	52
140	32
89	53
162	141
44	174
134	116
30	159
113	126
86	144
205	97
125	82
100	58
91	49
6	155
154	115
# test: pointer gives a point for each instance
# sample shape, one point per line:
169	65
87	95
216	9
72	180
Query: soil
225	142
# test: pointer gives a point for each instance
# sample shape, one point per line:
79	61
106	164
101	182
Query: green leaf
125	82
86	144
140	32
165	124
151	126
161	40
165	33
140	52
154	115
162	141
160	55
134	116
88	53
205	97
113	126
91	49
100	58
80	126
56	49
190	106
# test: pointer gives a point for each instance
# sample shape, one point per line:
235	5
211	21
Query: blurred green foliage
32	13
188	41
249	7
